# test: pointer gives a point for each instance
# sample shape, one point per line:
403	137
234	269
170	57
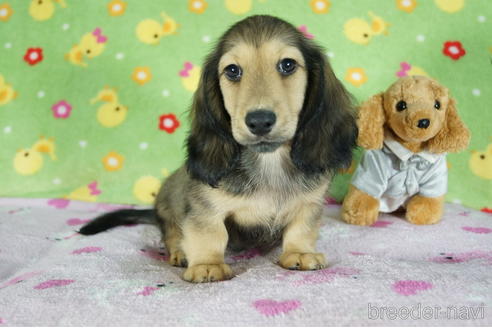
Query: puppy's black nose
424	123
260	122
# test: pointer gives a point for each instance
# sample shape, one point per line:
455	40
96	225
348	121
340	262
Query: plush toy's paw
208	273
302	261
424	210
360	208
178	258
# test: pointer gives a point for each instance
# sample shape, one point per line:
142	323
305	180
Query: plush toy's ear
371	121
454	135
212	150
326	131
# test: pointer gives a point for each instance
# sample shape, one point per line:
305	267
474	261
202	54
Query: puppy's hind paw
178	258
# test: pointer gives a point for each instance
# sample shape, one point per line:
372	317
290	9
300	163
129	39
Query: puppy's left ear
327	131
454	135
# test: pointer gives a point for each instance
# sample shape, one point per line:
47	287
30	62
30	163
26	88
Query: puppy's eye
233	72
287	66
437	104
401	106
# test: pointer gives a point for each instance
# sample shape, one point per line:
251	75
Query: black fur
212	150
326	131
118	218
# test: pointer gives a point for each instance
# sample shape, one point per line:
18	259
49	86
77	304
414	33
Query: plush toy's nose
423	123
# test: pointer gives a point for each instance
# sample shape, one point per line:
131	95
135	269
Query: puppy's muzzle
423	123
260	122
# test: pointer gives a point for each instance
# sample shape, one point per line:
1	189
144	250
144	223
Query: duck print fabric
94	94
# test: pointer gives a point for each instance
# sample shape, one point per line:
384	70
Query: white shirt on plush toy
394	174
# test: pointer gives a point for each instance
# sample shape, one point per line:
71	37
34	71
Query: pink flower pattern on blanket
147	291
54	283
76	221
410	287
20	278
269	307
381	224
59	203
463	257
477	229
89	249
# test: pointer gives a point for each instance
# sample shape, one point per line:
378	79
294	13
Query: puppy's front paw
208	273
302	261
178	258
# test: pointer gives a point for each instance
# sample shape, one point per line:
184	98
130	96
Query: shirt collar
404	154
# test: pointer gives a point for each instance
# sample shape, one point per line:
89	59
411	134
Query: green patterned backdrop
94	93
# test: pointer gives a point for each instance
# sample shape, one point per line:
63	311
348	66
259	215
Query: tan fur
360	208
203	238
370	121
262	87
241	189
425	210
378	116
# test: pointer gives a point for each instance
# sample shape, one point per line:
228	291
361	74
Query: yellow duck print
91	45
238	7
42	10
146	188
150	31
112	113
29	161
86	193
481	163
7	93
450	6
190	76
360	31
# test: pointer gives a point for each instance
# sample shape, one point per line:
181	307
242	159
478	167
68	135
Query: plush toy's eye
437	104
401	106
233	72
287	66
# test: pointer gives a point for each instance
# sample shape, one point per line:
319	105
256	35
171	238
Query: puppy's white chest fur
277	196
271	173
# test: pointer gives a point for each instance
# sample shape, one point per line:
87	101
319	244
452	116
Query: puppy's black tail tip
118	218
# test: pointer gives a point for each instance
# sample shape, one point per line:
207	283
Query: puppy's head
418	110
265	85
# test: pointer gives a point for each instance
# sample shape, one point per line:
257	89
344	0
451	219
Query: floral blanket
391	273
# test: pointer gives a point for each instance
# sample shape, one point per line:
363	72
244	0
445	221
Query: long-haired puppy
270	125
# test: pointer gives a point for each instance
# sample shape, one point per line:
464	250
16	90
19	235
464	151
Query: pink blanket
393	273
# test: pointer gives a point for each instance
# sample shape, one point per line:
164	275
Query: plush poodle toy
406	132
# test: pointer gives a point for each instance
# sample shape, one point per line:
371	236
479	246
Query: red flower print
61	109
168	123
453	49
486	210
33	56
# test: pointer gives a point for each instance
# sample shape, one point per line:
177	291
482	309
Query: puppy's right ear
212	150
371	121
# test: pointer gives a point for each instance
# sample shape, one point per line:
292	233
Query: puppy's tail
117	218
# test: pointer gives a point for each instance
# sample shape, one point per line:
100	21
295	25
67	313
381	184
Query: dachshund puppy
270	124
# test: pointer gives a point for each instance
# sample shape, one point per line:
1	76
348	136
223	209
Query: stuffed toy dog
406	132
